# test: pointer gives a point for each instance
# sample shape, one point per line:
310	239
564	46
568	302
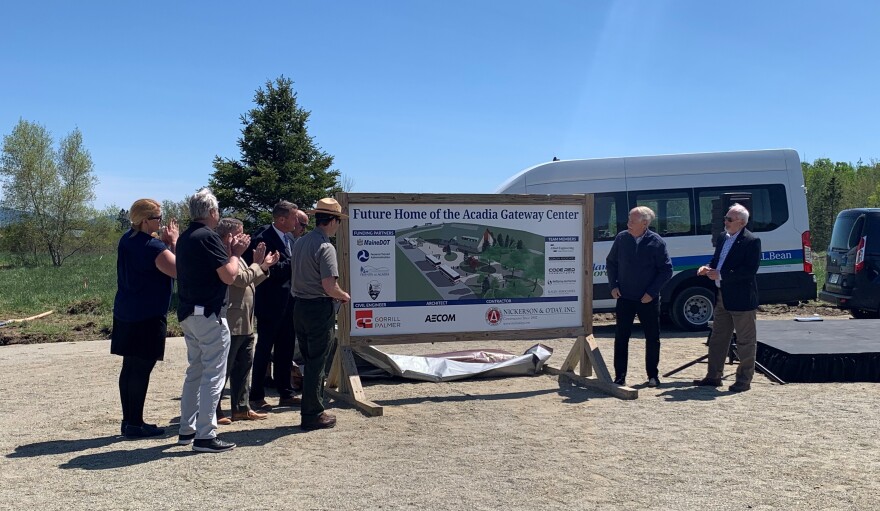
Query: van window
673	209
769	206
843	236
609	215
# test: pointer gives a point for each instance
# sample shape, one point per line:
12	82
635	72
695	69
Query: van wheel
864	314
693	308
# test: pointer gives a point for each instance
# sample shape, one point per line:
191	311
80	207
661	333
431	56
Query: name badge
199	310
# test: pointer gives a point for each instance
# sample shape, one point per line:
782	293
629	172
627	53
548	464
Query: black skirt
143	339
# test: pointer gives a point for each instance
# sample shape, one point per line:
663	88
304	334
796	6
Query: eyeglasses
301	224
730	219
155	218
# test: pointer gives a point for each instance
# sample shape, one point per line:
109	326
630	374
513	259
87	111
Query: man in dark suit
273	309
733	269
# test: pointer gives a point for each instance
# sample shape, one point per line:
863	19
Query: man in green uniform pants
315	272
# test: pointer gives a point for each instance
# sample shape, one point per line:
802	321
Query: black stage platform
834	350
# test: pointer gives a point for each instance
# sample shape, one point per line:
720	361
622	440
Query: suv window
843	236
872	231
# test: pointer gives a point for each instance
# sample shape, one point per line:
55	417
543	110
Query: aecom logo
439	318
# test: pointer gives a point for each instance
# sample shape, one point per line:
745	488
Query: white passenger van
680	188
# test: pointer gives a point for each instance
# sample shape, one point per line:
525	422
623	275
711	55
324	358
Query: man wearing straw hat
317	294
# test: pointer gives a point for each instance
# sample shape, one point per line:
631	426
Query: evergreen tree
279	159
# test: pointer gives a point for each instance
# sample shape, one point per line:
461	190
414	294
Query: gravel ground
515	443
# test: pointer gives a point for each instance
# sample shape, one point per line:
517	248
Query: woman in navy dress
145	272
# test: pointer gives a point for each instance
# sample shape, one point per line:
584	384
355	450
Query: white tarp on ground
458	365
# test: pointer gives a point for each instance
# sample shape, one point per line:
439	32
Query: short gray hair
645	212
740	210
201	204
229	226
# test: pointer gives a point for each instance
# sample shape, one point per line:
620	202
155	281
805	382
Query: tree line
49	188
834	186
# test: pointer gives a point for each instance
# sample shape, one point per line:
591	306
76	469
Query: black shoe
144	431
739	387
212	445
653	381
186	439
708	382
620	380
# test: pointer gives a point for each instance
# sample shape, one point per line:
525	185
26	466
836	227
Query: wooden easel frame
344	383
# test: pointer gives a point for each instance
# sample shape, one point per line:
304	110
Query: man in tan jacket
240	316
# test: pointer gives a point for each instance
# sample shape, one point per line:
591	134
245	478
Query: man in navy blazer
273	308
733	269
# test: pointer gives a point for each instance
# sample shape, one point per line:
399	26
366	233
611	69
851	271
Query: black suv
852	265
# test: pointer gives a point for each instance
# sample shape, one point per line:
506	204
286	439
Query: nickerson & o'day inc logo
493	316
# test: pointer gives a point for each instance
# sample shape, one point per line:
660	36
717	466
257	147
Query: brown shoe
296	379
261	405
290	401
249	415
708	382
223	421
324	421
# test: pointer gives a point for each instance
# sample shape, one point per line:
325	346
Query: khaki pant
726	322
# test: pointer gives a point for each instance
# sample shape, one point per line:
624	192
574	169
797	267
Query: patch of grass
35	289
81	293
819	269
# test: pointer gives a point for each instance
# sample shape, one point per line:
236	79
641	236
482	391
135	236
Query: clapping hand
260	253
170	233
270	260
239	244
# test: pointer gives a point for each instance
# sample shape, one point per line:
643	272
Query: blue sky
426	96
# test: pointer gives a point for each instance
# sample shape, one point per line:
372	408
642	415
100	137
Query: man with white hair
733	269
205	267
638	267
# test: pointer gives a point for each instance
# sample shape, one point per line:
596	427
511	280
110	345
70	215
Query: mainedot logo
363	256
362	242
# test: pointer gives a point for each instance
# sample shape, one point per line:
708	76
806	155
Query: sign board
446	267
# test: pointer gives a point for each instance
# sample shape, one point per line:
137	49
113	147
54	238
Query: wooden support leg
585	353
573	357
596	359
586	358
335	368
350	389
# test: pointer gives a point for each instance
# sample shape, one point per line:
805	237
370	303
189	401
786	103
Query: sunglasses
303	224
730	219
155	218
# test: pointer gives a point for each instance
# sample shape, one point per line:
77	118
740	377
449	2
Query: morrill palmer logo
363	318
